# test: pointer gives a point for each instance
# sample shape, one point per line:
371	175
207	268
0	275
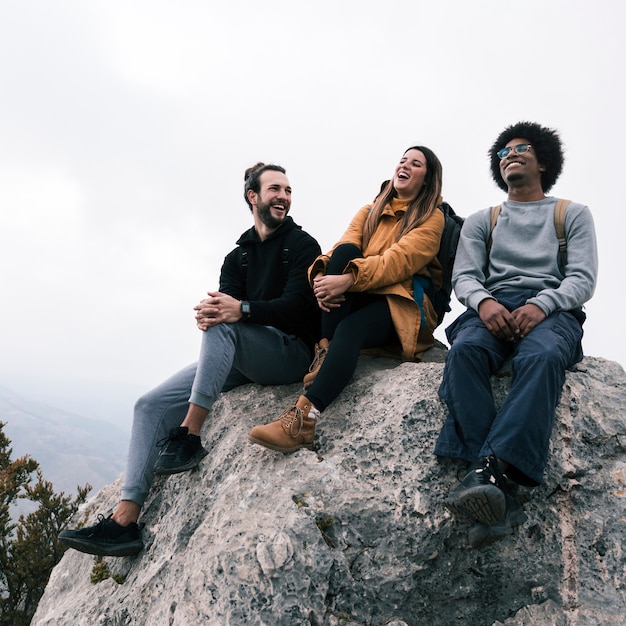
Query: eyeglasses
520	148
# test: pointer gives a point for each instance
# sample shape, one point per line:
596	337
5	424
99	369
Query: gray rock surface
356	533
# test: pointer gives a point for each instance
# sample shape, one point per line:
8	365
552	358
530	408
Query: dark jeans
362	321
519	431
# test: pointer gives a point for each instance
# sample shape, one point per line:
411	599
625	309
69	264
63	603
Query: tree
29	548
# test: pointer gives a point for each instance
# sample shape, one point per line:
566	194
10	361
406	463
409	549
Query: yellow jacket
388	267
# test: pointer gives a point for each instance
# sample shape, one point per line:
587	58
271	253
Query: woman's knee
342	255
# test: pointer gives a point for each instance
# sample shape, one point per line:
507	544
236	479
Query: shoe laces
491	470
174	435
98	529
294	415
318	359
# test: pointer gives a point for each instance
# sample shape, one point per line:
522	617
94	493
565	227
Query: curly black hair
545	142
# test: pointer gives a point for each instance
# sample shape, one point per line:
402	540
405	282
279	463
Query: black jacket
272	276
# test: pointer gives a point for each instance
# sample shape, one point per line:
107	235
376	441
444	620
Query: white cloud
127	126
41	205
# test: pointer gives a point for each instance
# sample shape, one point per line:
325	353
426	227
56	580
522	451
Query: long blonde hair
419	209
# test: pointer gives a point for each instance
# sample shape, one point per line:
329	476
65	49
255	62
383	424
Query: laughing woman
368	296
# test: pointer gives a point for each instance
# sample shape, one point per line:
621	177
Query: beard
266	217
514	177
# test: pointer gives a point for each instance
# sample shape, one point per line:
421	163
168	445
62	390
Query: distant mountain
72	449
99	400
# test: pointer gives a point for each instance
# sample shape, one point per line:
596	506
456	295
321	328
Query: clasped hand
507	325
329	290
217	308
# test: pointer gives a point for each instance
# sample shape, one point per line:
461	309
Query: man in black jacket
259	326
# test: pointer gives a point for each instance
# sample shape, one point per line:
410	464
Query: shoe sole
269	446
88	547
192	464
484	503
481	536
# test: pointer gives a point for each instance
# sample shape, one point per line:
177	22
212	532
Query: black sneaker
481	496
106	538
481	535
179	452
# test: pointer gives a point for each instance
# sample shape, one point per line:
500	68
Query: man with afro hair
523	304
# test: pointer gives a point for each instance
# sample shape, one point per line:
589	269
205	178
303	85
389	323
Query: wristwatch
245	310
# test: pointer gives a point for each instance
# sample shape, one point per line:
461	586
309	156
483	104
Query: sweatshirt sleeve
468	276
581	270
231	276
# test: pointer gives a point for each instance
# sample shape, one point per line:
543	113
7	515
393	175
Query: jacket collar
396	207
251	236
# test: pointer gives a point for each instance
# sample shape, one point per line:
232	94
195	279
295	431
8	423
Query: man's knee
475	348
465	356
145	404
219	331
548	349
473	339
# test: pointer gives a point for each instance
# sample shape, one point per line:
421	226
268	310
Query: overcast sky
126	126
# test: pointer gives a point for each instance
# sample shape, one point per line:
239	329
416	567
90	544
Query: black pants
362	321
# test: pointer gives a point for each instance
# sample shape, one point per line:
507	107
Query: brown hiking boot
321	349
294	429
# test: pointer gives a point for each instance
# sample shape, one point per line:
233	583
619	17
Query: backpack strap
559	226
284	257
243	261
495	212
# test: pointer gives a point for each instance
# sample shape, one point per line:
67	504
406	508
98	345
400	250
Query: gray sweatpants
230	355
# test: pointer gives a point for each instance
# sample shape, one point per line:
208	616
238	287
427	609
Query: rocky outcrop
356	533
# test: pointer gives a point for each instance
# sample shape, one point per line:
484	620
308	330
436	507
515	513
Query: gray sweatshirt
524	255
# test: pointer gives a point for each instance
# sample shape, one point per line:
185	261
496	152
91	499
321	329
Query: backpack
559	227
243	259
440	298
